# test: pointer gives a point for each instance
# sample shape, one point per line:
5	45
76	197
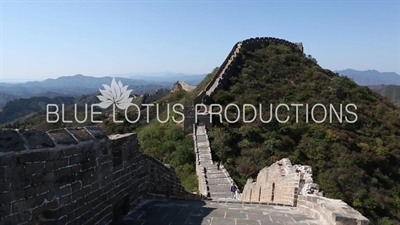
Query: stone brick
77	159
81	192
18	184
89	181
64	180
92	196
5	186
55	165
76	186
34	168
83	175
83	210
5	210
88	165
54	154
62	191
26	204
39	189
11	196
8	161
16	172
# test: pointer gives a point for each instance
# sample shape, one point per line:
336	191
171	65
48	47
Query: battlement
300	45
285	184
78	176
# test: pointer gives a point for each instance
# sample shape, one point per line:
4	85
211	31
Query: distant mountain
71	86
22	107
371	77
4	97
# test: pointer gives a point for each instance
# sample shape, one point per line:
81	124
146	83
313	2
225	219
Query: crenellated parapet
78	176
228	67
285	184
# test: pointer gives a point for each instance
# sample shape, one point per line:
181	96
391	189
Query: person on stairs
218	165
233	191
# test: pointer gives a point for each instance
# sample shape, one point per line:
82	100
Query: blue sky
48	39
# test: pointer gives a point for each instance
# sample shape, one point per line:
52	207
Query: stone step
216	178
219	185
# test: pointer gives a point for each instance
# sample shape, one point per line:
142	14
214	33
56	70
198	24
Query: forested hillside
356	162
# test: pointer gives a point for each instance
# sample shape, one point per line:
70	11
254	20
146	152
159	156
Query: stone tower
300	45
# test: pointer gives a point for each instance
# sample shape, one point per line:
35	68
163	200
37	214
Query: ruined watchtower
300	45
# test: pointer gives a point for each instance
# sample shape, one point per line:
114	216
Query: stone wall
228	67
77	176
284	184
330	211
278	183
201	120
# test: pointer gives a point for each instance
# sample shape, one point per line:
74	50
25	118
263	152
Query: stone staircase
218	181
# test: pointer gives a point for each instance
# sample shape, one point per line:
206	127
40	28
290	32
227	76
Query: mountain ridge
371	77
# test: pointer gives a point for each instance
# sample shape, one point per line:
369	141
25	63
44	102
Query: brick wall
77	176
285	184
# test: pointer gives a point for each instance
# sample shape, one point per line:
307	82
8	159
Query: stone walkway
180	212
218	182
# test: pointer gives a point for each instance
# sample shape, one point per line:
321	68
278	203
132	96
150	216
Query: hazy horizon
45	39
133	74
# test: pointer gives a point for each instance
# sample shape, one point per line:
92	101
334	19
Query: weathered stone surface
96	133
37	139
80	133
293	185
207	213
10	141
81	184
213	182
62	137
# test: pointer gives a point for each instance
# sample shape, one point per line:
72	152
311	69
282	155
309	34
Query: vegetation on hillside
169	144
356	162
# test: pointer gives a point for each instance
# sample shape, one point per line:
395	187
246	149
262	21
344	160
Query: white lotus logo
117	94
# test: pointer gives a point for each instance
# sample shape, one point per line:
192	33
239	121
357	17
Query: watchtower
300	45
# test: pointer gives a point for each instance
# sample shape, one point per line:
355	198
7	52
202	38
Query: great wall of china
82	176
227	68
71	175
78	176
281	184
